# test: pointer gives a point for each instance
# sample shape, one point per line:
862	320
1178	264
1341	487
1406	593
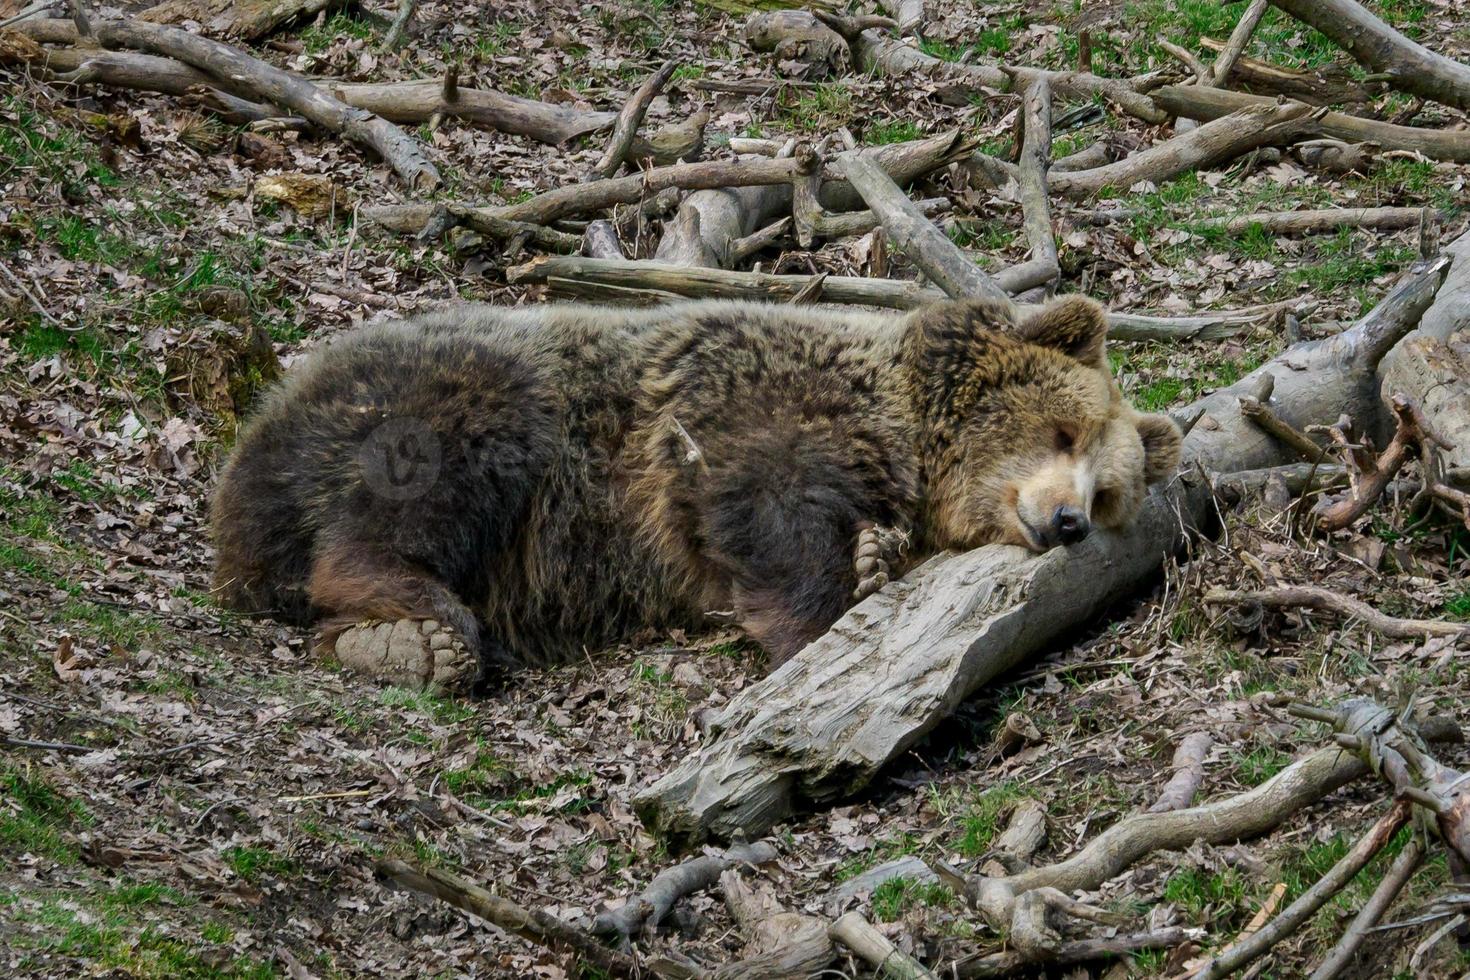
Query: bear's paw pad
416	653
877	551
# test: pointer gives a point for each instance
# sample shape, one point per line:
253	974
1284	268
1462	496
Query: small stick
1241	953
15	281
536	925
858	935
1234	47
1317	597
647	910
399	28
29	743
1388	889
1268	421
629	119
1189	771
1186	58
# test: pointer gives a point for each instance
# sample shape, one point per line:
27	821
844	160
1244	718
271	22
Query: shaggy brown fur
554	478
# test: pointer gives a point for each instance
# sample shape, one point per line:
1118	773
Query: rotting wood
247	19
1435	375
918	238
1404	64
1212	103
1318	597
822	725
240	74
1329	84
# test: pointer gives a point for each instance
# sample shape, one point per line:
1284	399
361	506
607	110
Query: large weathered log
1326	219
237	72
1212	103
917	237
1406	64
821	726
248	19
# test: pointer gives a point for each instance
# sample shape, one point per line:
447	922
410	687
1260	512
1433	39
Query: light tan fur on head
1027	439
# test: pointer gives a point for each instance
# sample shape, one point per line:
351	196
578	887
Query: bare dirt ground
218	797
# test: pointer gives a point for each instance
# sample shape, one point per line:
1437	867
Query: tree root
1317	597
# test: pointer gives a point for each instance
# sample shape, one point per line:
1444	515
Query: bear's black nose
1069	525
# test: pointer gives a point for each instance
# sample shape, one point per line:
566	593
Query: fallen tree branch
1317	597
1294	915
1343	953
645	911
1216	141
916	236
1196	102
1189	772
1405	64
240	74
398	30
1235	47
1328	219
822	725
857	934
1329	84
1035	160
1370	472
536	925
629	119
778	943
1012	962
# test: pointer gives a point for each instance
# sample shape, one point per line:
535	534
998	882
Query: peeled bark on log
246	19
1214	142
1327	219
918	238
857	934
708	223
247	77
1328	85
1435	375
822	726
1212	103
1407	65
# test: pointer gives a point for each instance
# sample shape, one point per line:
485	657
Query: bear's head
1024	436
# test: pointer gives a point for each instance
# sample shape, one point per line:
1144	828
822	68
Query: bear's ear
1161	446
1074	325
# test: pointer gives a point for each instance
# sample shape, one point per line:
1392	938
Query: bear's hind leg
384	618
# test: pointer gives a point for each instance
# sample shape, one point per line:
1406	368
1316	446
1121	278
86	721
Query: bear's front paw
878	550
417	653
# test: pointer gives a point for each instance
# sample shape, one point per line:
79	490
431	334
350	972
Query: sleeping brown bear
489	487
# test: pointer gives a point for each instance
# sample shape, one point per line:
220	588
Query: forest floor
229	794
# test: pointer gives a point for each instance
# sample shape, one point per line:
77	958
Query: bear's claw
417	653
878	549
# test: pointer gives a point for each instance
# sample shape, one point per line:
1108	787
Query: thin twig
1317	597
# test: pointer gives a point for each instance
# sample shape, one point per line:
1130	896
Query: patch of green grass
980	821
1260	764
254	863
891	131
1159	395
896	896
983	236
444	711
664	703
1197	891
821	108
884	850
687	73
1458	607
485	774
1277	38
31	141
35	816
317	39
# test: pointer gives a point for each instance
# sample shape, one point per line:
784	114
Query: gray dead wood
778	943
1317	597
646	910
398	30
877	50
908	867
1258	943
600	241
1034	163
1435	375
797	36
250	78
536	925
629	119
1013	962
857	934
1189	772
1212	103
434	220
1326	219
1239	38
1330	84
918	238
1404	64
1346	949
400	102
1214	142
825	723
247	19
